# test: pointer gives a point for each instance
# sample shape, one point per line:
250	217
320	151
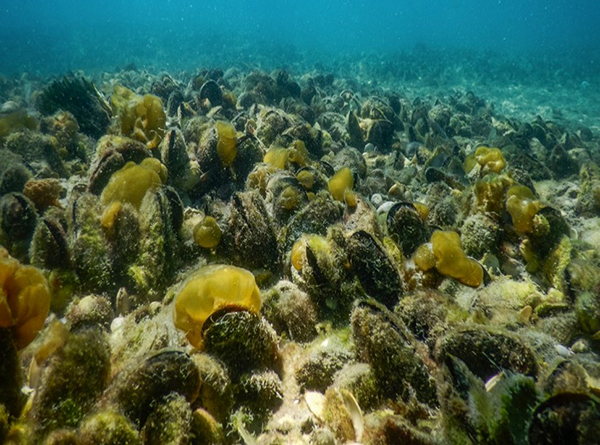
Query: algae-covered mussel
232	256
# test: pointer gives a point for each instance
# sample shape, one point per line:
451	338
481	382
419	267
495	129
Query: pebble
385	207
376	199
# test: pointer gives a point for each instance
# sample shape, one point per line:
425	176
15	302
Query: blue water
56	36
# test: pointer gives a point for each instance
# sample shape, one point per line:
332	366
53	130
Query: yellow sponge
445	253
341	185
207	233
490	159
522	206
140	117
209	290
132	182
227	143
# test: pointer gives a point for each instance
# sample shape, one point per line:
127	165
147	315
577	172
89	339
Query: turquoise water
61	35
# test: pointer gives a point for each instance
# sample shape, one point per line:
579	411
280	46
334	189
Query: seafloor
399	250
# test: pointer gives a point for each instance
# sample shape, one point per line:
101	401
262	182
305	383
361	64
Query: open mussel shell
211	91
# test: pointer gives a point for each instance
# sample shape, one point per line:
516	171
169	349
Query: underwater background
274	222
61	35
484	45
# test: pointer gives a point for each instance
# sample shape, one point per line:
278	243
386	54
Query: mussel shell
18	217
380	133
486	352
312	138
49	245
175	206
174	101
406	227
173	153
566	418
277	184
12	379
559	227
251	235
161	215
375	270
318	174
384	341
566	376
136	390
353	159
377	108
316	217
242	340
353	129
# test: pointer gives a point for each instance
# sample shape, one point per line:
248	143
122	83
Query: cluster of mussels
233	257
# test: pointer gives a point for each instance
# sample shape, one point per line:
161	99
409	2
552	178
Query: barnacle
132	182
24	299
445	253
209	290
